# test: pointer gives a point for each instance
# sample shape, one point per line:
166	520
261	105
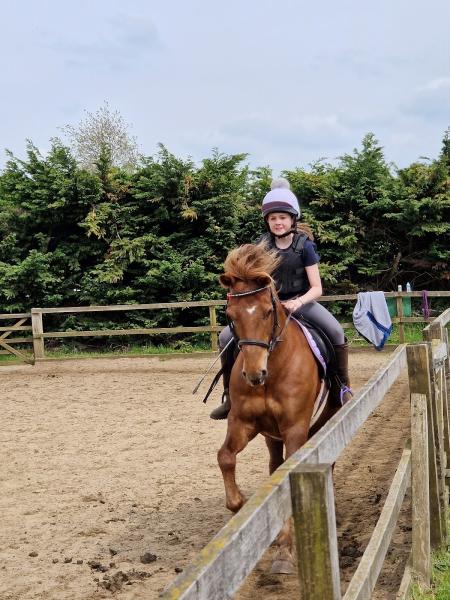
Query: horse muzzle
255	379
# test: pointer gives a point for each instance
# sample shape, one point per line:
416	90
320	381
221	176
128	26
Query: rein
273	341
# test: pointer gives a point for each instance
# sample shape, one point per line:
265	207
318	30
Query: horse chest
269	419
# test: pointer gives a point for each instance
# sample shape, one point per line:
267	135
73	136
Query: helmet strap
284	234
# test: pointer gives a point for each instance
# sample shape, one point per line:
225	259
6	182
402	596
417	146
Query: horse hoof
236	506
282	567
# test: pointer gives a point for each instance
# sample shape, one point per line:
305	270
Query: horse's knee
227	463
226	459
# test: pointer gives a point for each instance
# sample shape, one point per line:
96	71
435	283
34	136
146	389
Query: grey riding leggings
314	312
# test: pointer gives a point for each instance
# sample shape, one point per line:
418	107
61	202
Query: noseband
270	345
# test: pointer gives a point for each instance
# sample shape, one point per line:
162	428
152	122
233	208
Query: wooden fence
304	483
221	567
18	326
39	335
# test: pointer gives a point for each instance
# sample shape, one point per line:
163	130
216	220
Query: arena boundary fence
302	487
19	325
221	567
39	335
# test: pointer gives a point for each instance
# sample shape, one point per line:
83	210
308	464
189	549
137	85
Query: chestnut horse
275	378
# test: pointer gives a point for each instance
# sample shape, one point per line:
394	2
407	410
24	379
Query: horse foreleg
295	437
238	436
275	448
283	561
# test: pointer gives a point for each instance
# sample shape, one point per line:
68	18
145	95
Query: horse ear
226	280
264	280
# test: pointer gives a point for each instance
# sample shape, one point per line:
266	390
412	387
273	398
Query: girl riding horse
297	280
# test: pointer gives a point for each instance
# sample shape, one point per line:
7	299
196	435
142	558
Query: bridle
274	339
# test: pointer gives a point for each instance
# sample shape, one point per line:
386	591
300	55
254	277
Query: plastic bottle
399	288
407	302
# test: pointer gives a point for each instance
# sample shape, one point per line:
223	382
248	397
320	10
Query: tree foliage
160	232
103	139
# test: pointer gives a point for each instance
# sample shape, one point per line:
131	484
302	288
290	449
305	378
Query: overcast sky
288	81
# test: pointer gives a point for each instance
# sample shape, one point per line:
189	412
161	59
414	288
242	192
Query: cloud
310	131
431	101
279	141
126	42
436	84
363	65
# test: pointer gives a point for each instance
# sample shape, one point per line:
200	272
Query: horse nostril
264	373
244	374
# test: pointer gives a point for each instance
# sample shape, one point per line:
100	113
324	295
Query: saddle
324	350
320	345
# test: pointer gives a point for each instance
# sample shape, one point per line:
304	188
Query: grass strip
440	588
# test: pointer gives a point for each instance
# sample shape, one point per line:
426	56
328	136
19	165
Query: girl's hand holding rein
293	304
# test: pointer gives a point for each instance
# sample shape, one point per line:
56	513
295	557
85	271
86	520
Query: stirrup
345	390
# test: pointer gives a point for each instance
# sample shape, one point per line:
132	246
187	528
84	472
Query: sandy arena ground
106	463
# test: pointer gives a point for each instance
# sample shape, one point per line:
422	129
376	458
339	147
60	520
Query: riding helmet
280	199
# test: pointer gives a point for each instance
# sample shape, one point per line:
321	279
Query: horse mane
251	262
305	228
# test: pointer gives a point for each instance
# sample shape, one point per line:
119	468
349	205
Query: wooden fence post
418	356
213	323
445	334
421	559
445	401
315	532
434	333
38	330
439	390
401	326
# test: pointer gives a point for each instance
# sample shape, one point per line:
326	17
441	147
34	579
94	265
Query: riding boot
221	412
340	387
227	360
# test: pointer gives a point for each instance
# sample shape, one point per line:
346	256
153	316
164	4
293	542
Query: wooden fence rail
364	580
39	335
221	567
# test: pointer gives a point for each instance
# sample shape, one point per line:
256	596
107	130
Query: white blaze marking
251	310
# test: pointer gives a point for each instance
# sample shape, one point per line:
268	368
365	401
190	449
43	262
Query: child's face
279	222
